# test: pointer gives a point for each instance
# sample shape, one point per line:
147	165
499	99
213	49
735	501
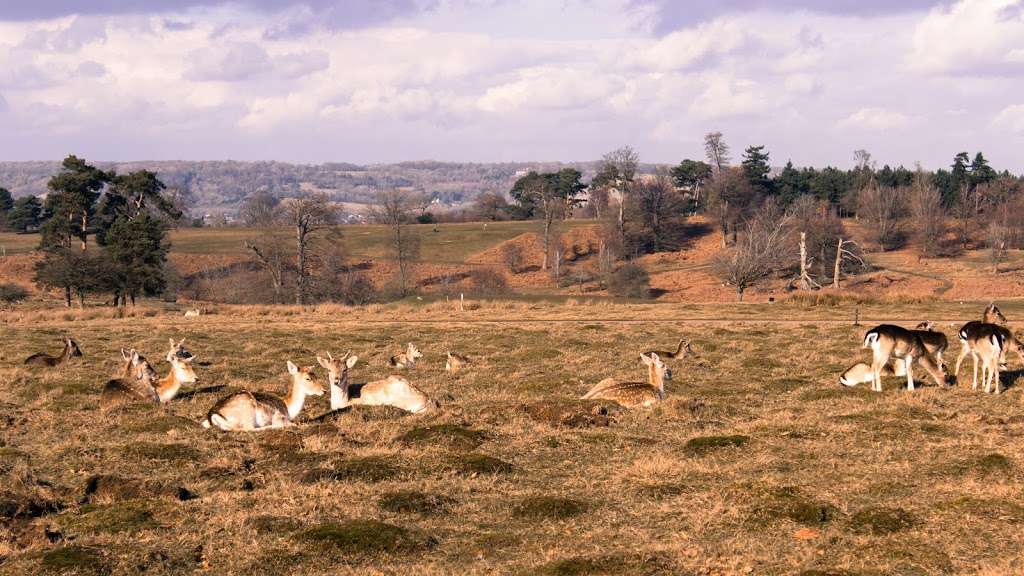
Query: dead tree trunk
806	282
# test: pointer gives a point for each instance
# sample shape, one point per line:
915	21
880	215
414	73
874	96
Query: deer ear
323	362
352	361
292	368
654	358
171	340
645	359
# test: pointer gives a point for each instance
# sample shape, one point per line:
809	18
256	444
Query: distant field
452	243
757	462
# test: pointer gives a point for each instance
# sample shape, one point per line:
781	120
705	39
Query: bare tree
513	255
656	216
309	214
759	251
717	152
271	253
882	208
996	241
491	206
260	209
617	172
730	198
394	209
928	213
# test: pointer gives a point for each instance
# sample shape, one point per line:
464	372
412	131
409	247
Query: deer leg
910	372
876	374
974	362
963	354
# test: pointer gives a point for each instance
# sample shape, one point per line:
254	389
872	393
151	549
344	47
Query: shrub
12	293
630	281
513	256
487	282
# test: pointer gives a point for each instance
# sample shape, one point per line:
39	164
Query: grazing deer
633	394
861	373
391	391
71	349
337	377
682	350
134	385
455	362
935	342
407	359
259	410
887	341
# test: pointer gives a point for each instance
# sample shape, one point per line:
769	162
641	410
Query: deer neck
679	349
339	392
168	387
294	400
656	378
65	356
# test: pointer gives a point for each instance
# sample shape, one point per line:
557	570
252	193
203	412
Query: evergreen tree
25	215
138	249
71	204
790	184
981	172
756	168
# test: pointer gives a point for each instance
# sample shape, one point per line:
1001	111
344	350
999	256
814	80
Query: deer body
406	359
975	331
861	373
633	394
391	391
935	342
888	341
455	362
43	359
134	385
682	350
244	411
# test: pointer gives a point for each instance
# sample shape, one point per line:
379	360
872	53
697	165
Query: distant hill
221	186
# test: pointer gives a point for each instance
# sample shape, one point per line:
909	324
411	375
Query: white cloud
1010	118
875	119
971	37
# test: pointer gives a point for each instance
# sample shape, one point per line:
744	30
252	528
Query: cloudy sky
496	80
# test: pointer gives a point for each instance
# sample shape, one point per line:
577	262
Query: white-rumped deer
633	394
71	350
889	341
975	330
245	411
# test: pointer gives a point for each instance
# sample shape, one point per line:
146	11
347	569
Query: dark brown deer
43	359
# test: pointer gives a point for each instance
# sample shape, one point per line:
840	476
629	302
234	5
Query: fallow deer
934	341
682	350
259	410
633	394
391	391
987	346
134	385
406	359
337	377
455	362
887	341
973	330
71	350
192	313
178	349
861	373
181	373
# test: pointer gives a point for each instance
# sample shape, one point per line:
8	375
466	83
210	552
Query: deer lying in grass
178	349
683	349
391	391
406	359
861	373
633	394
888	341
245	411
71	349
455	362
134	385
138	381
193	313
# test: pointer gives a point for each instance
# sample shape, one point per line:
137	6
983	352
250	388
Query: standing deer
71	349
259	410
935	342
887	341
975	330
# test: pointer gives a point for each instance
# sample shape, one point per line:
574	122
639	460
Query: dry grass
758	462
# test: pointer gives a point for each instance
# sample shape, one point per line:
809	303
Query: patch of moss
481	464
14	505
880	520
993	509
986	465
782	385
123	517
368	469
787	502
160	424
549	507
410	501
609	565
273	524
365	537
74	560
701	445
377	413
161	452
106	488
449	435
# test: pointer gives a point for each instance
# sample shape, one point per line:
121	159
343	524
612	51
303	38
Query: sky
376	81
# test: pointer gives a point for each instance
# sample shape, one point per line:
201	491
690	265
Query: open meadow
757	461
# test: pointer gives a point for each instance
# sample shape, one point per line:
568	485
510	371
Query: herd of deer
895	349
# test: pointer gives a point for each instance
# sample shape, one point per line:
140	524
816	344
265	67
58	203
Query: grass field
757	462
452	243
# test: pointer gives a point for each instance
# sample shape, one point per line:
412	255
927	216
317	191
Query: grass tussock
364	538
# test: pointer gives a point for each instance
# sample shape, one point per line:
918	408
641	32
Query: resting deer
178	349
192	313
71	349
861	373
935	342
682	350
973	330
391	391
633	394
887	341
407	359
259	410
455	362
134	385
